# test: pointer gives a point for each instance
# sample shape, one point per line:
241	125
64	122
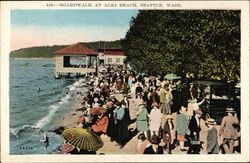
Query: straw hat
230	110
210	121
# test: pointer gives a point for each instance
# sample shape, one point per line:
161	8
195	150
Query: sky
62	27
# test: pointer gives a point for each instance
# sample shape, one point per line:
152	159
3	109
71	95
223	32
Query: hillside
47	51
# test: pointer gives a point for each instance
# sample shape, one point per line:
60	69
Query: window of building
109	60
74	62
117	60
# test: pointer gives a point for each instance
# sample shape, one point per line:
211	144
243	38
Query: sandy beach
69	120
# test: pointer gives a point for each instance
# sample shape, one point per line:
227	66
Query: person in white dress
155	120
133	88
190	109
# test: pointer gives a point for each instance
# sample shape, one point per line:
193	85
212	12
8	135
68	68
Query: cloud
22	37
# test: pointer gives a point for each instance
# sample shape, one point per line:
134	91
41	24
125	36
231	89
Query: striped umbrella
83	139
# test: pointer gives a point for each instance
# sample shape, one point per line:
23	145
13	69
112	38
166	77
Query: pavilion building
75	59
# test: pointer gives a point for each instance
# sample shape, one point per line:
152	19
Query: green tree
203	42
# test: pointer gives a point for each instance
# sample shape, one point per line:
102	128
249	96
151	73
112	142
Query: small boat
25	64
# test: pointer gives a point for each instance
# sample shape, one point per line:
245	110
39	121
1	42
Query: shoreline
70	117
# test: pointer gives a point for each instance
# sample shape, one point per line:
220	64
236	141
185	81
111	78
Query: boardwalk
129	148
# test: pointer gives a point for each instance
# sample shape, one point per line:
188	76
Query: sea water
37	102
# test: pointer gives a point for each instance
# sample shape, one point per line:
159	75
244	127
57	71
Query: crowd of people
168	113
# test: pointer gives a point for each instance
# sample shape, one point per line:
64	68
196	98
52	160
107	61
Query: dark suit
194	127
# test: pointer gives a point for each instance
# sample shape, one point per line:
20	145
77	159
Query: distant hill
101	44
47	51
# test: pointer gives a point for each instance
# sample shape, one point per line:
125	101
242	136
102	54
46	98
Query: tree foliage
203	42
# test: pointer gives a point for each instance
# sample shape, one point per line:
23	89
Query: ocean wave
54	108
45	120
25	128
15	132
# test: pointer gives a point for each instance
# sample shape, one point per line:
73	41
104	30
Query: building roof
113	53
76	49
112	49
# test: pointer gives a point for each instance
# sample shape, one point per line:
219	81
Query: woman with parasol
83	141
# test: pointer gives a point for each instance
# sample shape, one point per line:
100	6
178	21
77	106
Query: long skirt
142	125
111	128
122	131
168	107
163	108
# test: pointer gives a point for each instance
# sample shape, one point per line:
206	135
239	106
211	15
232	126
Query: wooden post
86	60
97	66
210	98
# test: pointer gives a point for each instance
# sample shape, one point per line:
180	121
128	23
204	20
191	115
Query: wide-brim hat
210	121
109	104
129	96
142	104
141	136
169	117
230	110
155	139
198	112
154	104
